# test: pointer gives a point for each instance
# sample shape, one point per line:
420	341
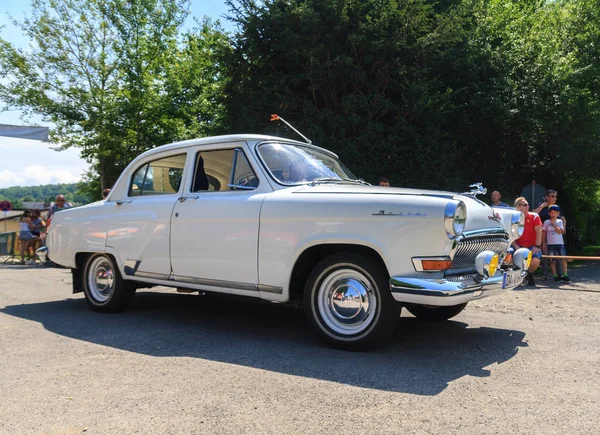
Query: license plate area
511	278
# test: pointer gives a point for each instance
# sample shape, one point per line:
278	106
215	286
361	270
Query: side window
223	170
243	175
159	177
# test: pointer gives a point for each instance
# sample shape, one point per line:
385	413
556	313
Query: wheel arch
77	271
314	254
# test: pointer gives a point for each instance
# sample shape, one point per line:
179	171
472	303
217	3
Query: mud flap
76	275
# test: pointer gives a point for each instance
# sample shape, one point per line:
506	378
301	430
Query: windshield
296	164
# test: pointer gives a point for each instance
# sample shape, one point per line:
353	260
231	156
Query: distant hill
46	193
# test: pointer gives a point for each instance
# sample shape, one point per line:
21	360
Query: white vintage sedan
286	221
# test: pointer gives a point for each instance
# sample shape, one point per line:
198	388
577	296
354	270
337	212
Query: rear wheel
348	301
104	288
435	314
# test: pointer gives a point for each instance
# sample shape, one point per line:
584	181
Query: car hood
479	214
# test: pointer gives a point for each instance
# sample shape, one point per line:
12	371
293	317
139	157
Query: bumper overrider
42	253
488	281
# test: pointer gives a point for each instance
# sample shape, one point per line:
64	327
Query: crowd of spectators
544	235
32	229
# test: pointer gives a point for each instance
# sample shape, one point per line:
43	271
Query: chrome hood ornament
478	189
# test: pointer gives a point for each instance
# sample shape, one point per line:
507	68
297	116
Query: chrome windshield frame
314	148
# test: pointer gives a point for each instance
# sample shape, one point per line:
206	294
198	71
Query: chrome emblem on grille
495	217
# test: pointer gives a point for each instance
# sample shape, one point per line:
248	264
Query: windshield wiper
337	180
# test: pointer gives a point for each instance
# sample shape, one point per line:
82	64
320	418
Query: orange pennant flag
274	117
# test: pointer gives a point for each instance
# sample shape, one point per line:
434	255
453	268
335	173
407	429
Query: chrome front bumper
442	292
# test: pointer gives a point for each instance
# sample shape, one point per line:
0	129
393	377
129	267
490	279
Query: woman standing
25	236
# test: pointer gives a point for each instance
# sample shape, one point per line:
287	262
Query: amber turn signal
436	264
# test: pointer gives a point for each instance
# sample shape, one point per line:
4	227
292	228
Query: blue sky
29	162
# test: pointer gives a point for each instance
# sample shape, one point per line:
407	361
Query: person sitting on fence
25	236
61	204
532	237
38	225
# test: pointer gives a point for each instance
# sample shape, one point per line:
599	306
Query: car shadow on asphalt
420	358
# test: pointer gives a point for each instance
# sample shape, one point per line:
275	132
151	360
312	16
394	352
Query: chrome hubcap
347	302
101	279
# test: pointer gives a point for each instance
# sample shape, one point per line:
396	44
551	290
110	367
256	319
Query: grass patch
593	251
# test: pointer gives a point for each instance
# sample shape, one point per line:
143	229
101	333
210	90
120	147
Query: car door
214	227
138	230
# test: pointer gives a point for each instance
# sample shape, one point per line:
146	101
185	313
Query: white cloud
31	163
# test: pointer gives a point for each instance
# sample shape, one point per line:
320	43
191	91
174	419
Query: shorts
25	235
538	254
511	250
557	250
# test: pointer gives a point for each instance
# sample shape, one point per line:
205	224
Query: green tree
541	82
110	75
367	78
431	94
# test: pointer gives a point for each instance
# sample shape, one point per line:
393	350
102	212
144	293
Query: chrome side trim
217	283
270	289
203	281
152	275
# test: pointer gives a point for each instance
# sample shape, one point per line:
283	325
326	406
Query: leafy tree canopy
114	77
45	193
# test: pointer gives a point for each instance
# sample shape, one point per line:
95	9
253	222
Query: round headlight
455	218
517	224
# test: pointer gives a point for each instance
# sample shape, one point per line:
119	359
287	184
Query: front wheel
104	288
348	301
435	314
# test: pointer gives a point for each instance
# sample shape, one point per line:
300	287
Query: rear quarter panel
81	229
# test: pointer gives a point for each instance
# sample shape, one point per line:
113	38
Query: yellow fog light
522	258
486	263
493	265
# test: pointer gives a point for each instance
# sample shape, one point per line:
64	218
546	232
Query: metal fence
7	246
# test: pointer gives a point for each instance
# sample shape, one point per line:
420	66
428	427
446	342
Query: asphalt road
527	361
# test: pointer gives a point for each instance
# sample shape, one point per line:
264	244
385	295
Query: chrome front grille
467	249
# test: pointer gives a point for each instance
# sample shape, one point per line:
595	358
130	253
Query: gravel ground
527	361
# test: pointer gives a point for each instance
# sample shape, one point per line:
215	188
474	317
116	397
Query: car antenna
275	117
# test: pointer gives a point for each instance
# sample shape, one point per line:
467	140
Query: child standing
553	238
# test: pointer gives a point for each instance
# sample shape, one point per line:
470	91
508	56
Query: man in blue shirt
496	200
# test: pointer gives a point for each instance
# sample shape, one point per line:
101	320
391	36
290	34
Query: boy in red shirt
531	238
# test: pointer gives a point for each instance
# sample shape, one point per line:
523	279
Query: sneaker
565	278
30	262
557	279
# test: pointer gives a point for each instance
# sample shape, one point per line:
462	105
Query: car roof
211	140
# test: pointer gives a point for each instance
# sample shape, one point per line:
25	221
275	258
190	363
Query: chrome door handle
123	201
183	198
